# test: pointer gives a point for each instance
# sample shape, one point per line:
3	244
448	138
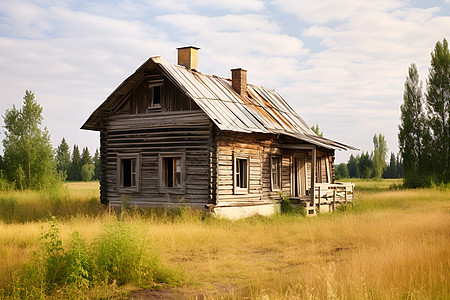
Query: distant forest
77	166
372	165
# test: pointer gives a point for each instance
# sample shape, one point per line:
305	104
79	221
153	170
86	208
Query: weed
286	206
79	264
118	256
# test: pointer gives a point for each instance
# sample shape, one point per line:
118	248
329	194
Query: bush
118	256
288	208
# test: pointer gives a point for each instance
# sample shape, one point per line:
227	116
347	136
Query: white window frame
236	173
151	90
181	188
277	172
137	172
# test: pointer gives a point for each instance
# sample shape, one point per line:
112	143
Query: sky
339	64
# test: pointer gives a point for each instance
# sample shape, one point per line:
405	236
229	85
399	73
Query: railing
331	194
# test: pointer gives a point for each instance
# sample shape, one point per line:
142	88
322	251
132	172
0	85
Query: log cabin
171	135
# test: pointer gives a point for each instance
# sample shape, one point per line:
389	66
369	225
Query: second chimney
188	57
239	81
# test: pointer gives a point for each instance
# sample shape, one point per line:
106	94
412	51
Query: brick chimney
188	57
239	81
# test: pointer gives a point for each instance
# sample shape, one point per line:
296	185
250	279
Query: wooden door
299	177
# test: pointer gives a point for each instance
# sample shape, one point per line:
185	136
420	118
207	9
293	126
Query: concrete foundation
238	212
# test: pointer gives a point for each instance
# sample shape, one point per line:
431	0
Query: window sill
128	190
240	191
176	191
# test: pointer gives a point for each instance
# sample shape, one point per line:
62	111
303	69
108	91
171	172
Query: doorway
299	177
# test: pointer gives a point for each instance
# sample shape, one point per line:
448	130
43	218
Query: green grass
374	185
66	202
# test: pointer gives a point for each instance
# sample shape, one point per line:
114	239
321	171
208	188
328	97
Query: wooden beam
313	175
298	146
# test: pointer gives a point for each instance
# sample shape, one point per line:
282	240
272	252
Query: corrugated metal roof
262	111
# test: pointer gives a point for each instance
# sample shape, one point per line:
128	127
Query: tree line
76	166
371	165
29	160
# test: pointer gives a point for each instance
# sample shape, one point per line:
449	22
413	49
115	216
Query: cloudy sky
340	64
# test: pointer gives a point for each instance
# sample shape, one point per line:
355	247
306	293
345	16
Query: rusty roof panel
263	110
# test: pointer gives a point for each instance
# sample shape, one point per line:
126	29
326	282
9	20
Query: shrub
288	208
118	256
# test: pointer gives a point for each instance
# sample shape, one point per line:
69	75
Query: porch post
313	176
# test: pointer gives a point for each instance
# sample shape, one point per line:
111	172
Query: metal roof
262	110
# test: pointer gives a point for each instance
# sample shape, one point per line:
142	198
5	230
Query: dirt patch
217	290
168	294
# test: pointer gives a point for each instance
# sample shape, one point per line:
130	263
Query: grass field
394	243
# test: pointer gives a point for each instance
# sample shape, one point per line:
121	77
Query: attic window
155	89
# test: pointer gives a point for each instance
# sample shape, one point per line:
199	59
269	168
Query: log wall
259	148
149	135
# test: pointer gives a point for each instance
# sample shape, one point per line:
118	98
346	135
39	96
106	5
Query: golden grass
393	244
70	200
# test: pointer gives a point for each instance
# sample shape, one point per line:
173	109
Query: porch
327	196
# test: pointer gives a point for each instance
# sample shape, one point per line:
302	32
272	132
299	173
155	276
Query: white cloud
190	6
193	23
325	11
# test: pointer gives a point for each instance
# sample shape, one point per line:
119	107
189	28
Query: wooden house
171	135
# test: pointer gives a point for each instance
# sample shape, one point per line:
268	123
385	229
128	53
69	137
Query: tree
87	171
412	129
399	169
86	157
342	171
97	164
352	167
63	158
365	167
75	166
28	152
379	155
438	105
316	130
390	171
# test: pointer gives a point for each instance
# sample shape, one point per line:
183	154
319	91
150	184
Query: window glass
128	172
241	173
275	168
172	171
156	95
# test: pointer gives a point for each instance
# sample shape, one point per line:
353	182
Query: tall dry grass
77	198
392	244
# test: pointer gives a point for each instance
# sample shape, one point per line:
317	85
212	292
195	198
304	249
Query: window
171	172
241	174
128	172
155	93
128	168
275	172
